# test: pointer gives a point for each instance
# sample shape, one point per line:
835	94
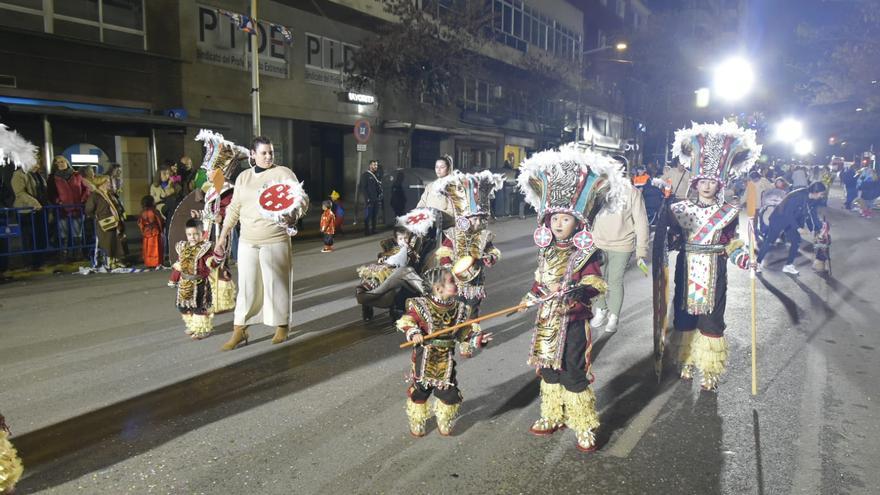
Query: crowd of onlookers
67	213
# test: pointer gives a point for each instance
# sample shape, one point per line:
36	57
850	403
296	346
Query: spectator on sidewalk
152	230
68	189
88	175
30	199
161	190
869	190
371	190
398	195
849	179
618	234
797	209
799	177
109	224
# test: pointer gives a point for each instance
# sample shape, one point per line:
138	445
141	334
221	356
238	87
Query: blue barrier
51	229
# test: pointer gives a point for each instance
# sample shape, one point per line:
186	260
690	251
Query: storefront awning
129	118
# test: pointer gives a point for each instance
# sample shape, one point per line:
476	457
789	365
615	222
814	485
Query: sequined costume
705	234
194	297
577	183
433	364
470	196
221	161
392	256
11	467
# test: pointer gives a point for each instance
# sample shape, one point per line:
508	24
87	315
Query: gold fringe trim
443	252
710	354
10	464
446	415
187	322
596	282
405	322
224	295
418	414
681	344
201	325
580	410
551	403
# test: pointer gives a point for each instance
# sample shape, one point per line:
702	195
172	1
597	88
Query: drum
465	269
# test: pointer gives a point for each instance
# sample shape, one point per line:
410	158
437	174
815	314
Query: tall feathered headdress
219	152
16	149
715	151
470	194
574	181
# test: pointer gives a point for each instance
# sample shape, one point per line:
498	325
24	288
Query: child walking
433	367
190	276
152	227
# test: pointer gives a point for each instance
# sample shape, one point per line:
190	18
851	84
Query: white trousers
265	281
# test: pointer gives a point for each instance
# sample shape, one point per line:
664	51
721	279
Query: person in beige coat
619	233
433	197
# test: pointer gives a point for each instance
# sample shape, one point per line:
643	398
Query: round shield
278	199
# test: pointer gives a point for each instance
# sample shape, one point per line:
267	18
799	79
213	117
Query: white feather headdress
571	180
16	149
716	151
219	152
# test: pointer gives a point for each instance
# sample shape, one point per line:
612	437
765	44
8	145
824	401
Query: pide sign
220	42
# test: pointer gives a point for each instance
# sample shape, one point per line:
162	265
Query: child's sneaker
327	249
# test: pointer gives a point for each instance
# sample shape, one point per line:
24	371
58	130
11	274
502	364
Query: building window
476	95
518	26
115	22
621	8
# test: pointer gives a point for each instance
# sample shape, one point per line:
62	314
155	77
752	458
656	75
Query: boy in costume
704	230
190	275
467	246
567	187
328	225
433	367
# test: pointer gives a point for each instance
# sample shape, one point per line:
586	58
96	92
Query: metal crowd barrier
53	228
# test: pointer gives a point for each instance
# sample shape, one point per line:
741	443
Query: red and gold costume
467	247
194	298
10	464
577	183
433	364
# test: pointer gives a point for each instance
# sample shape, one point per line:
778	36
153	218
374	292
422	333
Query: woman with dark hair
264	250
433	197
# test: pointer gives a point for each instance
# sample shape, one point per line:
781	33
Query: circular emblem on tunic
583	240
278	198
543	236
462	223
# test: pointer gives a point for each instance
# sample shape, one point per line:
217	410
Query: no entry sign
362	130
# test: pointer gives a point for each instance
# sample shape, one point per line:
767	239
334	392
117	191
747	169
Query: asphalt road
106	395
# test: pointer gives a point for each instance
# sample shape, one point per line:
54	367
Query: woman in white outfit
433	197
264	249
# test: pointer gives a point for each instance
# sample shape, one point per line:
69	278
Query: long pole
753	277
255	71
357	188
507	311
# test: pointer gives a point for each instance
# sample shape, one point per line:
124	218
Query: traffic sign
362	130
361	147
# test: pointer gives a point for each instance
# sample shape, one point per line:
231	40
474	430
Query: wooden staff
453	328
753	276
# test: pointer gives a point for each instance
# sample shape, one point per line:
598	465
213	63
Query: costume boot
187	321
417	414
580	416
280	334
446	416
682	348
552	414
202	326
710	357
239	336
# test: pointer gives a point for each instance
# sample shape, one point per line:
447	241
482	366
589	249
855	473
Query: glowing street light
734	79
789	130
803	147
621	46
703	96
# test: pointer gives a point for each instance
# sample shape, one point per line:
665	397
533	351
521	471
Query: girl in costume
190	275
704	230
151	225
467	246
567	187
